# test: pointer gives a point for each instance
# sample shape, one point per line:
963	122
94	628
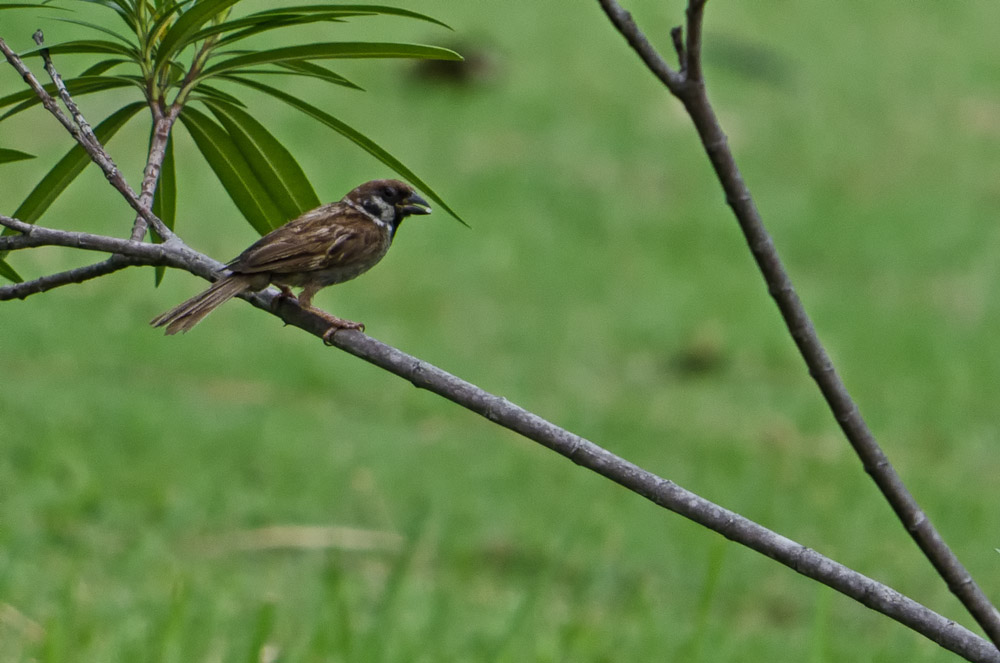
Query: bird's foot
336	325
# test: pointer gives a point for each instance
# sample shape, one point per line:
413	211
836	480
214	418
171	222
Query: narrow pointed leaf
7	156
7	272
77	87
239	181
270	161
345	49
86	46
165	200
209	92
306	68
357	10
100	67
28	5
288	69
248	26
95	26
178	36
354	136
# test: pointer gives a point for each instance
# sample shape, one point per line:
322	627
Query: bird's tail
187	314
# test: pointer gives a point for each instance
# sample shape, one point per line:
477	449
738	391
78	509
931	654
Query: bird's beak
414	204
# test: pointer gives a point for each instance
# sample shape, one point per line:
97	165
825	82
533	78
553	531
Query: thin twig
677	37
695	16
86	133
694	97
641	45
583	452
78	275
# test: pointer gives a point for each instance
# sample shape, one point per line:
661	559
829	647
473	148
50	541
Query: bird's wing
324	237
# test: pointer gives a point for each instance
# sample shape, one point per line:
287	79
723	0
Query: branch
637	40
583	452
691	92
163	122
85	132
79	275
97	153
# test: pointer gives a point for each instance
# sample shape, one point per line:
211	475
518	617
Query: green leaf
270	161
95	26
345	49
7	156
306	68
286	16
356	10
208	92
248	26
122	8
290	70
7	272
159	28
65	171
100	67
231	168
354	136
77	87
86	46
165	200
179	34
29	5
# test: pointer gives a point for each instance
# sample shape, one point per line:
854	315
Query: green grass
602	259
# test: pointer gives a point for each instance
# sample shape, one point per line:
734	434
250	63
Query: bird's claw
340	325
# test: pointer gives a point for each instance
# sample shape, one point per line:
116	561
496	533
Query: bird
331	244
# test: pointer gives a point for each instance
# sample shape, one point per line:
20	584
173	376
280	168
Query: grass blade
354	136
229	165
270	161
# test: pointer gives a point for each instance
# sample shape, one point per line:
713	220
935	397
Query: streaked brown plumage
330	244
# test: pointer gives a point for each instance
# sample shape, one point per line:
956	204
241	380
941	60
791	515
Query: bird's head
387	202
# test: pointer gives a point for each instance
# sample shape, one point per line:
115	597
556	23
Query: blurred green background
604	285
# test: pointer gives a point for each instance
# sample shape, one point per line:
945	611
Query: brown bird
330	244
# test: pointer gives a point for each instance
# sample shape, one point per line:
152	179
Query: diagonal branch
97	153
85	132
583	452
691	92
42	284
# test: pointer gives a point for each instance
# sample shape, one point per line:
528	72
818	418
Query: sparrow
330	244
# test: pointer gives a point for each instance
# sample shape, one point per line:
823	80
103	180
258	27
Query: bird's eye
389	193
